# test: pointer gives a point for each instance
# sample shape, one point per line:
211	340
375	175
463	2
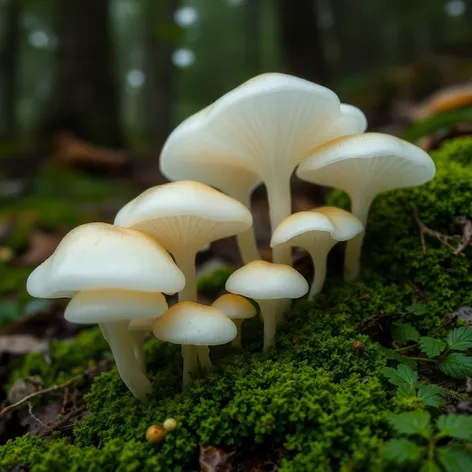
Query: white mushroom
237	309
317	231
98	257
267	284
266	126
192	324
363	166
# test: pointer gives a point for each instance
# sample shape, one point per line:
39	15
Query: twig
30	411
466	238
66	418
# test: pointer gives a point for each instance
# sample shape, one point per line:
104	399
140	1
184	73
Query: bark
9	45
85	97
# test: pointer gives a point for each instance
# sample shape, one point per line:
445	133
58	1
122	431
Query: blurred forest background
90	89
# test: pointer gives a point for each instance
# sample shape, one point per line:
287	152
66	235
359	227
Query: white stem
119	339
319	277
190	365
237	340
137	338
280	206
352	259
269	309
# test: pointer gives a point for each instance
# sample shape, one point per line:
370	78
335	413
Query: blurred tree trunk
161	34
301	40
85	96
9	45
253	36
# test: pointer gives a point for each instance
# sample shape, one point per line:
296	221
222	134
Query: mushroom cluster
259	133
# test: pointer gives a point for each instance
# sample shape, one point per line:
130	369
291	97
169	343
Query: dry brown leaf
213	459
19	344
41	246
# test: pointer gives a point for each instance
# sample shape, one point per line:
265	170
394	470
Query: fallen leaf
21	388
41	246
465	313
19	344
213	459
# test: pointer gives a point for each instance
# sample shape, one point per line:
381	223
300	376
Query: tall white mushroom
183	216
317	231
268	284
266	126
97	258
363	166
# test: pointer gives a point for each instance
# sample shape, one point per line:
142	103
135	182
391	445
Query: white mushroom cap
369	163
194	324
185	214
262	280
101	306
102	256
235	307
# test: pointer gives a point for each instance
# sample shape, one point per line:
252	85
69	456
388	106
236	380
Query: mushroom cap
101	306
235	307
99	256
194	324
270	122
262	280
185	214
329	224
372	162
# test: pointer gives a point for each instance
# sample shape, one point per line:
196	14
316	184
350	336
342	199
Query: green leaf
401	450
430	466
418	309
403	332
404	377
457	365
460	339
412	422
455	426
431	347
454	459
432	395
394	355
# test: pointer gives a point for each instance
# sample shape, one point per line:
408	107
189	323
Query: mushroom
363	166
100	257
267	283
183	216
237	309
317	231
192	324
266	127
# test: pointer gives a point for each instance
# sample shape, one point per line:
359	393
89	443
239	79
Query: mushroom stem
137	338
269	312
119	339
319	266
190	365
280	206
352	259
236	342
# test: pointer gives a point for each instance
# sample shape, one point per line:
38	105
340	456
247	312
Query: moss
215	281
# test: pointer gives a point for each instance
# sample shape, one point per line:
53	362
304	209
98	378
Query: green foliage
455	426
216	280
456	365
431	347
460	339
402	450
403	332
432	395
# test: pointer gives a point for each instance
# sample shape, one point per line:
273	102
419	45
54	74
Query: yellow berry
155	434
170	424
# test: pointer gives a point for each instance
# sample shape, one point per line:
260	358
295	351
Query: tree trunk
301	40
9	42
85	96
160	35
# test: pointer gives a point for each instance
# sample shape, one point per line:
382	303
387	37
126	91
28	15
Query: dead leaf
465	313
19	344
213	459
21	388
41	246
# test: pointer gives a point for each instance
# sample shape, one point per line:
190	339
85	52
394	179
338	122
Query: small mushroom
236	308
108	264
317	231
363	166
192	324
268	284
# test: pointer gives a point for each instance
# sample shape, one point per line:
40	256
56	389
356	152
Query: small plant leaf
412	422
402	375
418	309
432	395
401	450
457	365
455	426
403	333
431	347
460	339
430	466
454	459
394	355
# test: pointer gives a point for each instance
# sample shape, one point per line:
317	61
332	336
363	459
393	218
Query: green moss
215	281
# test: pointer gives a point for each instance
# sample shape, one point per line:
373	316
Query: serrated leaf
404	377
455	426
418	309
403	333
454	459
432	395
430	466
401	450
393	355
412	422
431	347
460	339
457	365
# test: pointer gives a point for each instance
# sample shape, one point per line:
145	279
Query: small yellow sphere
155	434
170	424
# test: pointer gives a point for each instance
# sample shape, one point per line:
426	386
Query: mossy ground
319	398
